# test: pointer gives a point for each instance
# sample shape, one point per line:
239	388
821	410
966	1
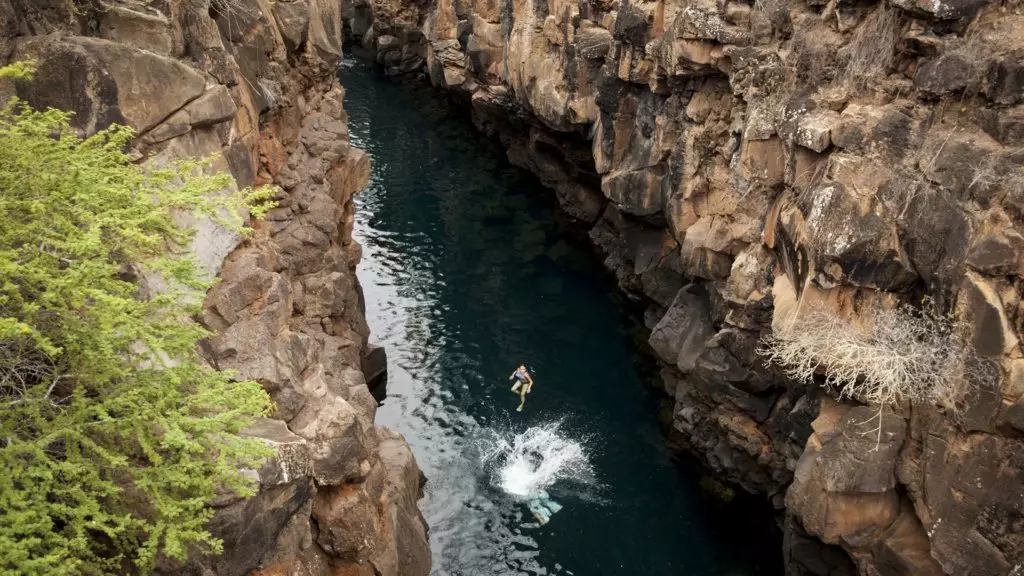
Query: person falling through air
524	382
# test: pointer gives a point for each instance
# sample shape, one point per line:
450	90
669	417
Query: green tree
114	434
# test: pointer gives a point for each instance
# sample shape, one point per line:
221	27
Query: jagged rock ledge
254	82
741	164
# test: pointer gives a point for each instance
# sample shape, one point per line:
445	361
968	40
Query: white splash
535	460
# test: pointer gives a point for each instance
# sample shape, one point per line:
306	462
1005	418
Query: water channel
466	273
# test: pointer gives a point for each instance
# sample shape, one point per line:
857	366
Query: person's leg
515	387
522	399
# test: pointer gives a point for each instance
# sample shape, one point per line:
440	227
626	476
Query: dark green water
465	272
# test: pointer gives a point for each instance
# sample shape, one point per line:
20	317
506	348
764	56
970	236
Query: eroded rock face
253	82
742	163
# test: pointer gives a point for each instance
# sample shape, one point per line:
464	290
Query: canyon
253	87
738	164
744	166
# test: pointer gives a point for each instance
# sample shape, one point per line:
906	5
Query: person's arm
513	374
529	379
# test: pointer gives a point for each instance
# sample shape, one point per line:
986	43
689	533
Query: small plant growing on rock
906	354
115	436
872	50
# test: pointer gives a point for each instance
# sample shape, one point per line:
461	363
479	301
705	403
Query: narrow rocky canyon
745	166
253	84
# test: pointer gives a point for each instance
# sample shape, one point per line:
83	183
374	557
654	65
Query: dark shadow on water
468	269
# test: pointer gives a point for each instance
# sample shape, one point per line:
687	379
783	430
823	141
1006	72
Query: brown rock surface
254	82
800	155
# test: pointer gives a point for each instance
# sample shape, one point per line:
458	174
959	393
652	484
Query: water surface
465	274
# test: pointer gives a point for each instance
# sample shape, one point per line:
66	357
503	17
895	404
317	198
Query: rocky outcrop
252	84
744	164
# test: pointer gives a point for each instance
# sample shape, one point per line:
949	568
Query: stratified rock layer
741	164
253	83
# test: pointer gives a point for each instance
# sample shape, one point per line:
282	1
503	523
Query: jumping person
524	382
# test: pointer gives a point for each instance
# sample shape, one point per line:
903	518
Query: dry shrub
992	174
871	52
23	368
974	52
906	354
234	8
775	10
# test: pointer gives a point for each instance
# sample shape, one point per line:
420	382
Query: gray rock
946	74
213	107
852	245
997	253
375	370
681	334
110	82
338	443
402	488
813	131
981	305
593	42
143	29
293	22
1005	79
943	9
292	459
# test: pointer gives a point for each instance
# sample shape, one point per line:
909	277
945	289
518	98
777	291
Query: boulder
105	82
402	489
814	130
1004	81
637	192
338	443
943	9
325	32
250	528
843	487
139	27
854	240
350	518
293	22
947	74
886	128
981	305
213	107
805	555
763	161
953	158
292	459
997	253
592	42
936	233
681	334
375	370
968	493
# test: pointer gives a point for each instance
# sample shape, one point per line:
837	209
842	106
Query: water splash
535	460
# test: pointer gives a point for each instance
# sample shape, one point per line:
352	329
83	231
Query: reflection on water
465	277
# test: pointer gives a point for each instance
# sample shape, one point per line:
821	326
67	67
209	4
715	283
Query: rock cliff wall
254	82
745	163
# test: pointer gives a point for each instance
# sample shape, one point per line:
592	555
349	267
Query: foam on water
536	460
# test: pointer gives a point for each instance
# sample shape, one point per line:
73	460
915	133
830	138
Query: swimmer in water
524	382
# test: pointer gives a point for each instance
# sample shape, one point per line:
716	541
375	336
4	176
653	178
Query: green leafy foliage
114	434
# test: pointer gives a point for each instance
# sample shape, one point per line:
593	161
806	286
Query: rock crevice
744	165
252	84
